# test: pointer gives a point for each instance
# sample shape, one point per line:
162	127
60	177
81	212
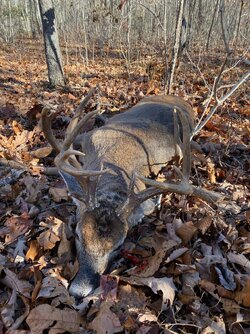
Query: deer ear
73	186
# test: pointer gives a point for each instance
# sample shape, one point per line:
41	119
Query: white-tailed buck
108	176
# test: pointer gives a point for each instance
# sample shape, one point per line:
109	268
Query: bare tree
176	45
52	48
222	10
212	23
238	24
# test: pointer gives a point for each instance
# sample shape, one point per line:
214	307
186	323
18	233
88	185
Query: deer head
108	178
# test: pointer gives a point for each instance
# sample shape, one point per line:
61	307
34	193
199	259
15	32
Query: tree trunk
222	11
211	26
238	25
52	48
176	45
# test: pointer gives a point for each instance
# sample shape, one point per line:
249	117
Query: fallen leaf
176	254
204	224
147	316
58	194
33	250
239	259
16	226
106	322
48	239
216	327
109	286
226	277
9	309
186	232
45	317
41	152
131	297
165	285
211	171
243	297
154	262
12	281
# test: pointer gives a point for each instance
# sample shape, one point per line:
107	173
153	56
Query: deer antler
183	187
66	159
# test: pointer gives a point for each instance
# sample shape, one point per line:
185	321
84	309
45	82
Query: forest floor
185	269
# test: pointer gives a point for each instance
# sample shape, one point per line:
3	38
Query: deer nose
82	286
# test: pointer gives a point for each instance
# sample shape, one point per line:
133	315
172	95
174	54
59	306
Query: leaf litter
185	269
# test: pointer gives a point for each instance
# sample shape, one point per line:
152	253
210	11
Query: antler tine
66	157
71	136
80	109
61	163
186	144
46	126
67	154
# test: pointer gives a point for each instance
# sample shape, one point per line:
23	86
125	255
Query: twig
219	102
199	70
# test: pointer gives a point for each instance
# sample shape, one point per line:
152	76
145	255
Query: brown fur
139	140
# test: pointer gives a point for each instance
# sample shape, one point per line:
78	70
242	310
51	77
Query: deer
111	177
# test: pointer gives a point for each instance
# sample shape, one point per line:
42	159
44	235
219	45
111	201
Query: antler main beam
66	157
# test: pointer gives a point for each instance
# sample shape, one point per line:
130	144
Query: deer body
138	140
141	140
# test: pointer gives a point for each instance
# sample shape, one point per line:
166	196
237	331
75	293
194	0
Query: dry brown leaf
106	322
131	297
186	232
47	239
12	281
16	226
109	286
230	306
18	331
216	289
33	250
189	281
154	262
239	259
204	224
41	152
33	188
243	297
165	285
58	194
9	309
38	283
64	246
129	323
216	327
58	321
52	234
147	316
176	254
144	329
211	171
51	288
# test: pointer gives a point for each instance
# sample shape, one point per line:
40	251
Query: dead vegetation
185	269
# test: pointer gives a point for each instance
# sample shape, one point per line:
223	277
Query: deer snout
82	285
